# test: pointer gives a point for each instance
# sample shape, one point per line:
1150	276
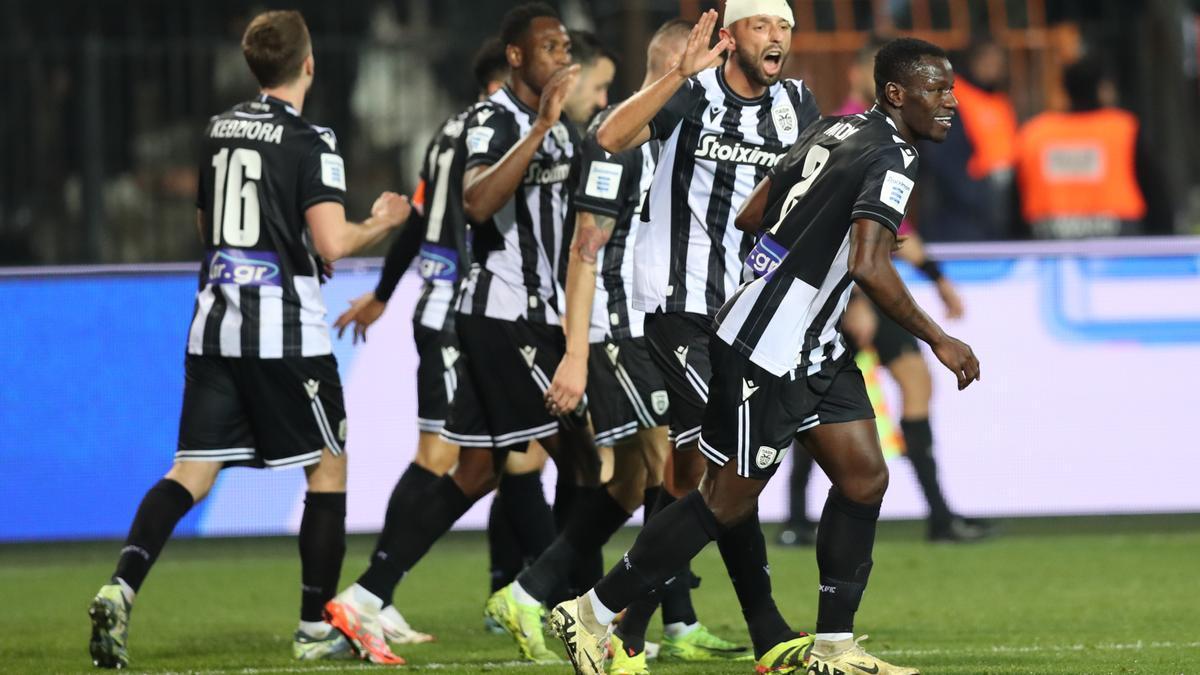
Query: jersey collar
271	100
876	111
730	93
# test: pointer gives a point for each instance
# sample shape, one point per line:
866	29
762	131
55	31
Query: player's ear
726	34
894	93
310	65
514	55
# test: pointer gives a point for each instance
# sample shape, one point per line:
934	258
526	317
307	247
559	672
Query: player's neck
293	96
525	94
894	115
741	85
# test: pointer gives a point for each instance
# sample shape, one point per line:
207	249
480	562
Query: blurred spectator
1089	172
967	179
861	76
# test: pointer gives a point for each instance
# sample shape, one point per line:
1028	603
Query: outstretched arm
870	265
628	125
334	237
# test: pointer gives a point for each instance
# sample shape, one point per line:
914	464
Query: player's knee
689	468
435	454
329	474
729	511
196	477
476	473
869	486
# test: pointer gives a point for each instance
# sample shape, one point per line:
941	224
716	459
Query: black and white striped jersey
520	254
842	169
262	167
718	146
615	186
437	231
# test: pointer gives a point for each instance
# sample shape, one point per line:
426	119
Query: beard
751	65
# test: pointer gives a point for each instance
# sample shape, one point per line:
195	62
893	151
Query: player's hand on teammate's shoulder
364	311
697	56
566	389
554	94
392	209
959	358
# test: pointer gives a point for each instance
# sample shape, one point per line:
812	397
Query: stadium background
1084	344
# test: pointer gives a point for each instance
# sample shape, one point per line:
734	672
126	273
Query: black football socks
441	506
918	443
161	509
745	554
528	514
594	520
845	539
671	539
406	495
504	552
322	549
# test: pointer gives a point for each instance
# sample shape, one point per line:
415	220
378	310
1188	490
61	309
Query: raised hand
697	56
555	93
959	358
392	209
364	311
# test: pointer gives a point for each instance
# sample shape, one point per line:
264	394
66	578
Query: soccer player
597	67
519	173
262	386
829	214
439	236
898	351
722	127
626	394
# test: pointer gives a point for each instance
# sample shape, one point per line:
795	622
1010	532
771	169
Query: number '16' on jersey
261	167
840	170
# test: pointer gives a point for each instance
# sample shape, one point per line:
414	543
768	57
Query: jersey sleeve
606	181
809	111
887	184
400	255
322	172
671	114
490	133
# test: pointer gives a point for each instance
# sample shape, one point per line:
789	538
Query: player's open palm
364	311
697	56
555	93
566	389
392	209
959	358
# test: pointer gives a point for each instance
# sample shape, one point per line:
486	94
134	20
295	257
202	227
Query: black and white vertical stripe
260	321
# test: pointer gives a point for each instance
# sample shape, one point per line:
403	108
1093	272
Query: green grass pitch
1083	595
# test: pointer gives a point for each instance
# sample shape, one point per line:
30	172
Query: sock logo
822	588
136	549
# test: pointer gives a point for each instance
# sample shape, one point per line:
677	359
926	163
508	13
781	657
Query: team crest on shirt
559	133
659	402
785	117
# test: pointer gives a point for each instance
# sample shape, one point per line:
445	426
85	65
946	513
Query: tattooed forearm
591	234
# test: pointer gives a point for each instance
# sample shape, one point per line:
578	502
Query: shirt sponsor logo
765	256
333	171
438	263
604	180
722	149
546	175
243	268
895	192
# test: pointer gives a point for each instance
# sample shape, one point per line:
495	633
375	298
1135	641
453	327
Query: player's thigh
679	345
214	424
841	435
435	454
329	474
752	415
533	459
438	358
911	373
297	410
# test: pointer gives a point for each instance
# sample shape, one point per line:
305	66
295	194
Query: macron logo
528	353
311	387
748	388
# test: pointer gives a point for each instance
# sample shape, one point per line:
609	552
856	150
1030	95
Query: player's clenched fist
391	208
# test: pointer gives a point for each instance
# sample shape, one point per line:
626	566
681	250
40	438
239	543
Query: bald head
667	43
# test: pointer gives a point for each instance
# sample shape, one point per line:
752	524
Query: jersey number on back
235	202
814	161
441	185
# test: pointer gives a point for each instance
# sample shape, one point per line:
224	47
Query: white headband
736	10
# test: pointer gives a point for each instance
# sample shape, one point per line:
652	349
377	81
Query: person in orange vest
966	181
1088	172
